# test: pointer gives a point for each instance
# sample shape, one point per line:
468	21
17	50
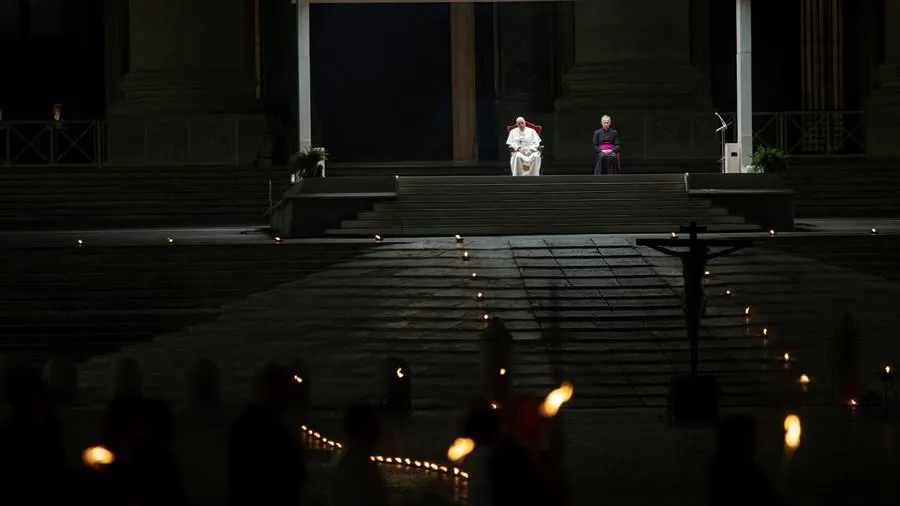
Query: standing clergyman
523	143
606	144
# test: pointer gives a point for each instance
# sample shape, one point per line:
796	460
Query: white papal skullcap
520	118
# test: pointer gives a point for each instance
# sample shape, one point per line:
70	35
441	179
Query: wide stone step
537	210
594	205
480	230
537	218
544	198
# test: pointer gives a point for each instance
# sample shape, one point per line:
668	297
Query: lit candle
727	292
278	239
771	233
458	238
378	238
460	448
556	399
474	275
399	372
170	240
479	296
465	256
674	235
97	456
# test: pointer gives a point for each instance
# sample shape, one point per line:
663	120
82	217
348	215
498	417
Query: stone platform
613	310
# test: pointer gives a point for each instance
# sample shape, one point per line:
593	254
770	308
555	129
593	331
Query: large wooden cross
693	262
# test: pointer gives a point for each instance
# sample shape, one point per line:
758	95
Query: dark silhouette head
27	393
736	437
481	423
362	424
525	422
273	387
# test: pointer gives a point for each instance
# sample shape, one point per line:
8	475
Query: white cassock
525	159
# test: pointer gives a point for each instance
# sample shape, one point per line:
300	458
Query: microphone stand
721	132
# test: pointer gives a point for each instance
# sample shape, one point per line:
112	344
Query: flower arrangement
309	162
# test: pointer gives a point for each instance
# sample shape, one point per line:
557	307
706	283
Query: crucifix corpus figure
693	397
524	143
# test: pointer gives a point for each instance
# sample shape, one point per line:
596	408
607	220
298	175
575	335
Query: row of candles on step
379	238
886	373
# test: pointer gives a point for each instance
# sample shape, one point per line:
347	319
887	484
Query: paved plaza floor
596	310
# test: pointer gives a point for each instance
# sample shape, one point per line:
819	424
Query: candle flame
792	431
556	399
298	379
97	456
399	372
502	371
787	357
494	405
747	310
887	369
853	402
804	379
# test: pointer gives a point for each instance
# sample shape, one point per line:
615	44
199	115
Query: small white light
674	235
707	273
378	238
786	357
479	296
765	332
474	275
170	240
278	239
79	242
772	232
502	371
747	311
486	317
466	256
458	238
727	292
874	230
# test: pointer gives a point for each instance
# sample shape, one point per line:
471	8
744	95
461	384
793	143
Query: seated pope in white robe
523	143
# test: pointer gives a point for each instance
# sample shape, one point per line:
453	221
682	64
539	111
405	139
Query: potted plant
769	161
309	162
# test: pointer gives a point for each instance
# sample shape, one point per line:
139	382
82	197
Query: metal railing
216	140
796	133
203	141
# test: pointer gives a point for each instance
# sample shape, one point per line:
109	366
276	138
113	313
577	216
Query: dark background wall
381	73
52	51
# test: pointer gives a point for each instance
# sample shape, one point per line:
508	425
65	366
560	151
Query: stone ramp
471	205
612	310
845	188
47	198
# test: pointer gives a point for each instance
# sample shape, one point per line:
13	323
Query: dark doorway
381	81
53	53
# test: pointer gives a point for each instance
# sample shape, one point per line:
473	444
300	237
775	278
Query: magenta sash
609	147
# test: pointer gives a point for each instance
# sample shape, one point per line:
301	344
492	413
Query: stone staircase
550	168
501	205
114	197
845	188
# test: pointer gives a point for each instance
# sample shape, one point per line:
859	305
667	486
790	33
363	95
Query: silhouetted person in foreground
481	425
139	433
357	481
266	464
520	472
31	444
735	478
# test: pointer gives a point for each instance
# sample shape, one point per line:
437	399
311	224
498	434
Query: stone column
525	53
883	105
633	62
465	120
184	83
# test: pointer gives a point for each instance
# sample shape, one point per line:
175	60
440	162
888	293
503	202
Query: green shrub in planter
769	161
310	162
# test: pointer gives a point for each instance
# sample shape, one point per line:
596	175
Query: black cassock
606	164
